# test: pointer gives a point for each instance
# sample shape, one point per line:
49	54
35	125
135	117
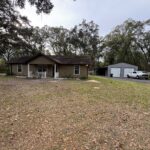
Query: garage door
128	70
115	72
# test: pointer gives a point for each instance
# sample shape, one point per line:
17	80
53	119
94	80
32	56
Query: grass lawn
96	114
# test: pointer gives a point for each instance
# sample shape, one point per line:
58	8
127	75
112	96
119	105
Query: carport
121	70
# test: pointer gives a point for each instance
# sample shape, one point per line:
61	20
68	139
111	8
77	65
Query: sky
106	13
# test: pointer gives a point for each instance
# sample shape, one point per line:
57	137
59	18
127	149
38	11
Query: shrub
8	72
3	68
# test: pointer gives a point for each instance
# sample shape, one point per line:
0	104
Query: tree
56	39
129	43
36	40
60	41
83	39
15	29
44	6
86	40
143	41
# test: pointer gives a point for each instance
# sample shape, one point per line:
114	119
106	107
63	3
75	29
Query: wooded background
128	42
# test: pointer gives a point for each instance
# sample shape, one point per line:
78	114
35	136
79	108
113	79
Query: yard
100	114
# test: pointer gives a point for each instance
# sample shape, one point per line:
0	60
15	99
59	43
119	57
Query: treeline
83	39
128	42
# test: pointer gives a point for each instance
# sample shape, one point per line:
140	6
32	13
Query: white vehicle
138	75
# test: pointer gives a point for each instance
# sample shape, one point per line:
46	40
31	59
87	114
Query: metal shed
121	70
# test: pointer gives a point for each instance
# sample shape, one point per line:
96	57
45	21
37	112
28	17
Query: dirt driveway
73	115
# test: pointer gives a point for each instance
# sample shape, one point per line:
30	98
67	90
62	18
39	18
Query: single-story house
119	70
43	66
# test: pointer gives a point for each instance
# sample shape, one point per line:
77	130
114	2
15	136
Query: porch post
54	71
28	70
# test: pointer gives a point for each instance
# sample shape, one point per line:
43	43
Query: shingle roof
72	59
20	60
58	59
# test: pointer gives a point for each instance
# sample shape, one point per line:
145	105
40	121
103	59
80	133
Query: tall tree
57	39
143	41
85	38
129	43
14	28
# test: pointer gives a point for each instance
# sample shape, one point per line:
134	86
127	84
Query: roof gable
41	60
49	59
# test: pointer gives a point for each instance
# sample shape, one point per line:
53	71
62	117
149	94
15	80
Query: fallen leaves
69	115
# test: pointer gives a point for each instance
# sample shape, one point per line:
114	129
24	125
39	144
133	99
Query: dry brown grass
74	115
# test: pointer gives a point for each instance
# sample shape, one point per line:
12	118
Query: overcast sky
106	13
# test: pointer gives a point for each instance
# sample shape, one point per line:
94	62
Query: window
76	69
19	68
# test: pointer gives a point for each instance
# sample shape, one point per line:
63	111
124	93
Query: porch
42	71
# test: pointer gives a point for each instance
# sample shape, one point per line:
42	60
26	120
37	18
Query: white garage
116	72
120	70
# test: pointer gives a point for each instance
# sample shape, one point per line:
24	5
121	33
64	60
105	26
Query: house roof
20	60
72	59
58	59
